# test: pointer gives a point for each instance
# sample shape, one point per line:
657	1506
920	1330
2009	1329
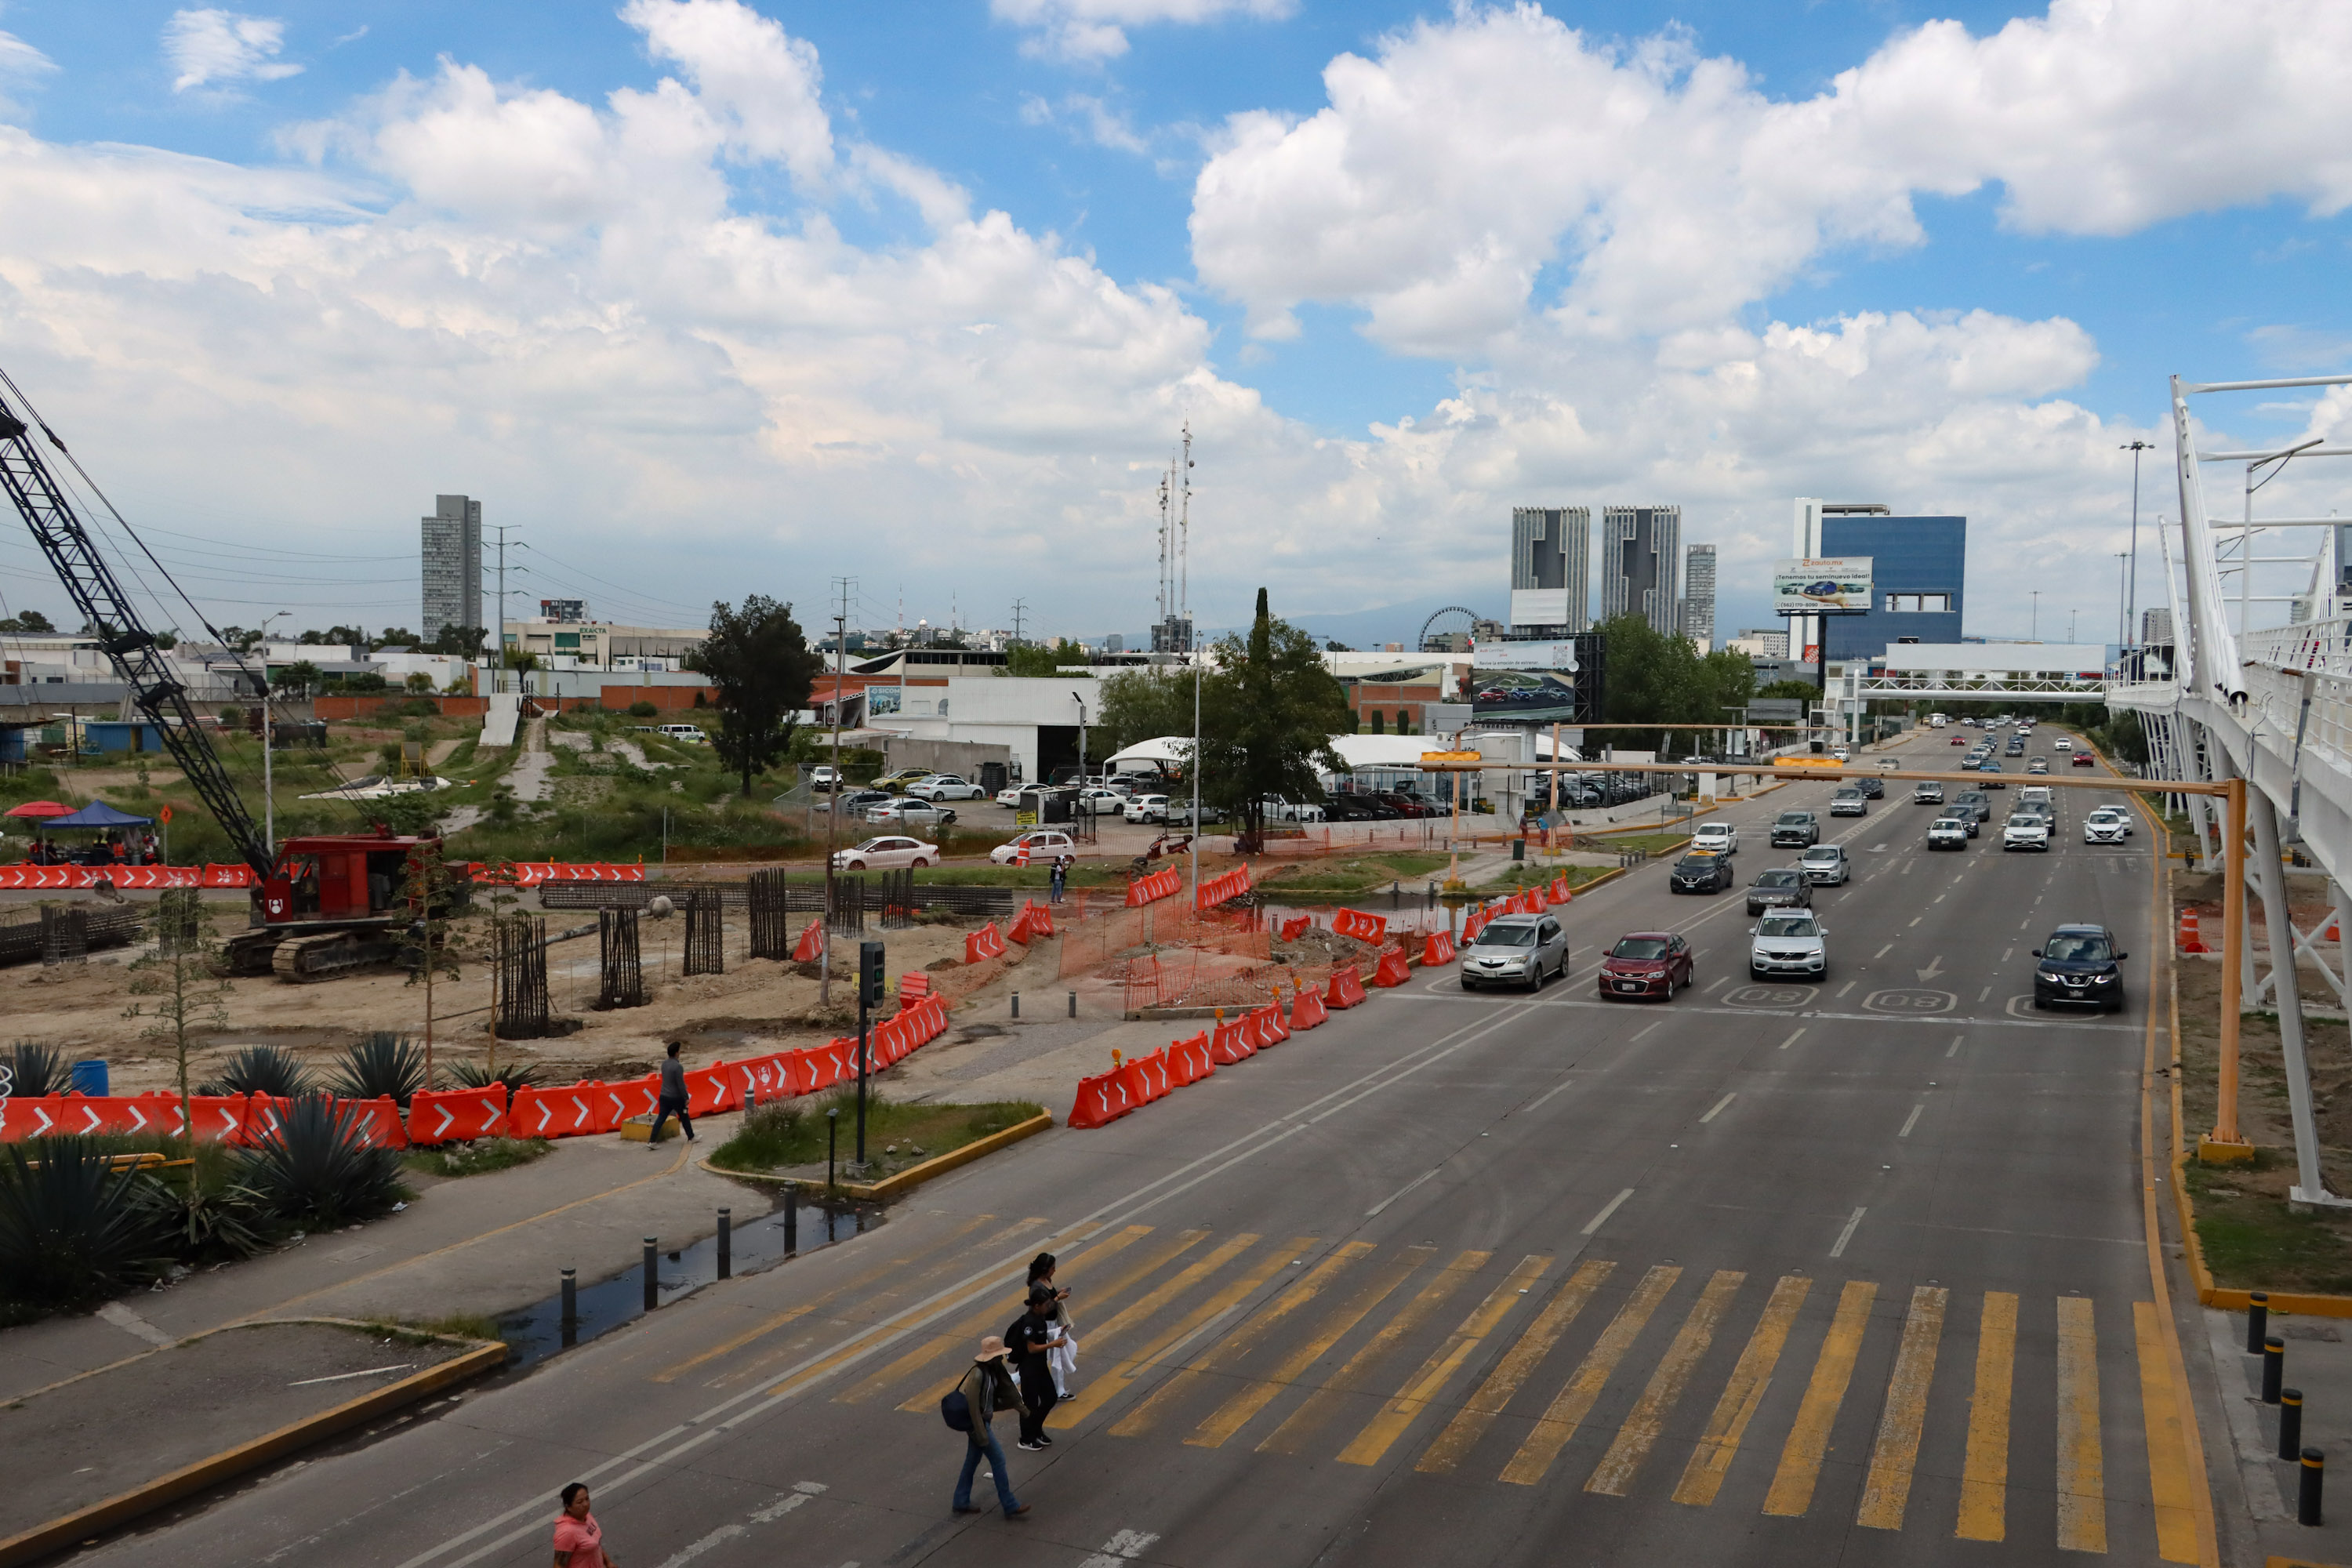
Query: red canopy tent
40	808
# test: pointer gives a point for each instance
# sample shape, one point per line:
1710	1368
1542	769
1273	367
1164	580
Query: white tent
1169	750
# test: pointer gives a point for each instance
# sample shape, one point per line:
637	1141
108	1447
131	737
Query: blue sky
1361	443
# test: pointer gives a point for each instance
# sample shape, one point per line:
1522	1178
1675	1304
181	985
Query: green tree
1789	690
464	641
297	679
1654	679
1268	712
765	669
1036	659
1143	705
29	622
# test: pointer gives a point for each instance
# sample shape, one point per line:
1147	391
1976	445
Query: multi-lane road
1847	1272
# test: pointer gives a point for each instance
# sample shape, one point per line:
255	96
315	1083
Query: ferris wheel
1438	632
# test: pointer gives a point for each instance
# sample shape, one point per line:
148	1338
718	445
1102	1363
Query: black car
1974	802
855	803
1783	888
2080	966
1700	874
1346	808
1872	788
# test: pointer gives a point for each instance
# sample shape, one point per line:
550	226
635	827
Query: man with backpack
969	1408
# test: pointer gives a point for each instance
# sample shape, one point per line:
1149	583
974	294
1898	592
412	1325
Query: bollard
793	1218
653	1272
2258	1321
2273	1368
571	1324
1074	1004
2306	1503
832	1138
726	1244
2290	1441
1016	1003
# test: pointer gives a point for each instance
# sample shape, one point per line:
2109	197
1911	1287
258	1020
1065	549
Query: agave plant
514	1075
383	1063
319	1166
272	1070
34	1069
71	1227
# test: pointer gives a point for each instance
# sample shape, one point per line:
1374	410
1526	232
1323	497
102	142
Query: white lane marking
1846	987
685	1554
1914	919
1792	1039
1985	992
1402	1191
347	1376
1597	1221
1719	1104
130	1322
1713	983
1912	1120
2005	953
1847	1234
1882	952
801	1491
1125	1547
1645	1031
1956	1040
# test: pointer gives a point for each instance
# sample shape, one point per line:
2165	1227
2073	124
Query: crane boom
130	646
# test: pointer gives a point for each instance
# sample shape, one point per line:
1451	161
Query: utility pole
2033	627
2122	606
832	796
499	620
2131	591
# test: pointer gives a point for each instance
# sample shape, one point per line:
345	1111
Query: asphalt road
1849	1272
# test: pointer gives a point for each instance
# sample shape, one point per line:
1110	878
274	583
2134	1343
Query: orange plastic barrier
810	946
1392	968
453	1115
261	1120
1296	927
566	1112
1102	1100
1474	925
228	876
1306	1008
1189	1061
1346	989
1152	888
378	1119
985	943
1225	889
912	988
1229	1044
622	1101
709	1090
1271	1029
1360	925
1438	949
1040	917
1149	1075
1560	890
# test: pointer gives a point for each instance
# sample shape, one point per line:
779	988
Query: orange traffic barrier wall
1346	989
1271	1029
1152	888
1559	891
1034	921
1189	1061
1296	927
1393	970
1223	890
1101	1099
566	1112
1438	949
454	1115
1360	925
985	943
1229	1044
810	945
1306	1008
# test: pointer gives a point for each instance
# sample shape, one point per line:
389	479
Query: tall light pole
269	781
2124	641
2131	593
832	796
2033	627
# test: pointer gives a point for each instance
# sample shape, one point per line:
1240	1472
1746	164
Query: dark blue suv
2080	966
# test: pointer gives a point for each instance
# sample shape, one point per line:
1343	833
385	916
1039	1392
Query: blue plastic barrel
89	1077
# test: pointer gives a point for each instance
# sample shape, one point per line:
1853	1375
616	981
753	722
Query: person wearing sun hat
987	1388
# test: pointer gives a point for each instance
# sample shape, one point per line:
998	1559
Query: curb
906	1181
57	1534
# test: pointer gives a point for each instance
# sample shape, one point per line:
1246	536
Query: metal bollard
2258	1322
571	1323
2273	1368
2290	1441
653	1271
1016	1003
2306	1501
1074	1004
726	1244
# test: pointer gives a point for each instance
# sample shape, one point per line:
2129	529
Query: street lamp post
2131	593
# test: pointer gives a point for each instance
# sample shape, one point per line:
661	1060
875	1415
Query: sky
702	298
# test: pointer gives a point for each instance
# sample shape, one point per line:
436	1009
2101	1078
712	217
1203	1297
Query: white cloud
1088	118
20	65
1092	30
215	48
1449	172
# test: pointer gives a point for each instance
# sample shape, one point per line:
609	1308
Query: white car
1788	943
1715	838
945	786
910	811
2061	744
2026	830
2107	825
1045	845
1011	796
1825	864
1948	833
1841	753
1148	808
823	777
887	853
1099	802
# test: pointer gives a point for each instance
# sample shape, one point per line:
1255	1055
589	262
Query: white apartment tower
1641	559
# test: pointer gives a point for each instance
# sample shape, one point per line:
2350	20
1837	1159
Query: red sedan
2085	760
1646	963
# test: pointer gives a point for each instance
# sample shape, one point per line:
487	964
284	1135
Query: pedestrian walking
986	1389
672	1101
1033	1339
579	1539
1063	1361
1060	876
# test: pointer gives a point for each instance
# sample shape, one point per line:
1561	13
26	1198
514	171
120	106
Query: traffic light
872	989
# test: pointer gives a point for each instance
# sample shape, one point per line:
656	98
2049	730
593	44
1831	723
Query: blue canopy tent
97	814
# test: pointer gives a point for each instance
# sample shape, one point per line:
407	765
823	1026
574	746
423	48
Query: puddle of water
538	1332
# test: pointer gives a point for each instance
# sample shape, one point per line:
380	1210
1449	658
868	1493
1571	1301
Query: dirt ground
757	1006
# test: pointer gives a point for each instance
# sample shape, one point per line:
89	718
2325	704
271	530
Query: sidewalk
2319	1362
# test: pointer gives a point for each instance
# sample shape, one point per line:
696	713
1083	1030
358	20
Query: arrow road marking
1935	967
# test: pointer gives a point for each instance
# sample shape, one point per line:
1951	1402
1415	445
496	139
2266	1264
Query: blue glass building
1918	576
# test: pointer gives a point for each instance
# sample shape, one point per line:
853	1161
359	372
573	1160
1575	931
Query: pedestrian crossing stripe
1195	1325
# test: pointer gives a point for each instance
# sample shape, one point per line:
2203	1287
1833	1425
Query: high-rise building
453	566
1641	554
1699	595
1551	571
1918	574
2156	628
1763	642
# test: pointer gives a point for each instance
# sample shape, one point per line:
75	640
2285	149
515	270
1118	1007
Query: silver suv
1516	950
1795	831
1825	864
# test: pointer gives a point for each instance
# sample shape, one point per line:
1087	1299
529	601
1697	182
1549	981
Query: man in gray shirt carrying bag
673	1099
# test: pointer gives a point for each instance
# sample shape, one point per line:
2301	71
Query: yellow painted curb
913	1177
41	1540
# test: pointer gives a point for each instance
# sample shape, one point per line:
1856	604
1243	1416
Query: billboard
1559	656
1828	585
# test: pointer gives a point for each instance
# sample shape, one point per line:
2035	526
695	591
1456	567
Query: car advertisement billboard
1556	654
1829	585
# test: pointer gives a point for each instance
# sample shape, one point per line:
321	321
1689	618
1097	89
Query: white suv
1788	943
1716	838
2026	830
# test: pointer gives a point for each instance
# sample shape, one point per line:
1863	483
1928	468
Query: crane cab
349	876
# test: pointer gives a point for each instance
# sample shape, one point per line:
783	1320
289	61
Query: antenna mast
1184	534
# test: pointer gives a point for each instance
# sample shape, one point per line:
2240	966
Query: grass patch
461	1325
2253	1241
1641	843
1357	874
792	1134
477	1158
1530	875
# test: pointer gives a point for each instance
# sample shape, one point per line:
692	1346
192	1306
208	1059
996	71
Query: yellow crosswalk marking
1253	1396
1470	1423
1574	1402
2082	1474
1240	1342
1711	1459
728	1347
1071	1411
1426	1384
1984	1478
1888	1488
993	1316
1809	1439
2167	1459
1647	1419
1292	1435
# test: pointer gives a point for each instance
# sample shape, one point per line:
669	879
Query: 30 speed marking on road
1911	1001
1766	996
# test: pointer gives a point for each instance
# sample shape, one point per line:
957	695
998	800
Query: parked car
909	811
897	783
822	777
887	853
1278	809
1700	872
1849	802
1825	864
945	786
1841	753
1515	950
1716	838
1927	795
1010	796
1781	888
1406	805
1045	845
1148	808
1180	814
1101	802
1950	833
1795	831
858	802
1646	963
2078	963
1788	943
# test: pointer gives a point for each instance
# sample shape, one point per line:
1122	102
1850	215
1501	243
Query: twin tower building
1646	570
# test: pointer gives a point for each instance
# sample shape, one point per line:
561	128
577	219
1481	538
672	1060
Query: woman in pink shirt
579	1539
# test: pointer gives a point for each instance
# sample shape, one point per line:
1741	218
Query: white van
689	734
